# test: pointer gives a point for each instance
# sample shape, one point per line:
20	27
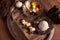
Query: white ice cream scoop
43	25
19	4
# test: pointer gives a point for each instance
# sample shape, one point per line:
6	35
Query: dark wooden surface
5	35
56	32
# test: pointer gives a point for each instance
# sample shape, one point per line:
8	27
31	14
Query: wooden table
4	32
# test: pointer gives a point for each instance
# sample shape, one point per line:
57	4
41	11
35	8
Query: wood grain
5	35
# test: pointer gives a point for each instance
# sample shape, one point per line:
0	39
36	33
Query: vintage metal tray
19	33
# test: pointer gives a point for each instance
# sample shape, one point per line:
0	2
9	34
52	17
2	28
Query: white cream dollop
19	4
32	29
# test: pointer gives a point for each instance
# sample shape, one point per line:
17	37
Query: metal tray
18	33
